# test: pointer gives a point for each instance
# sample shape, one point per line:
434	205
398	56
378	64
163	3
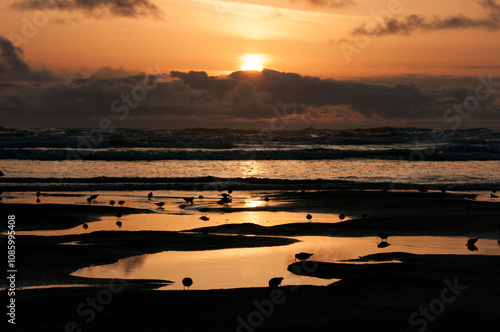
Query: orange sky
426	63
290	36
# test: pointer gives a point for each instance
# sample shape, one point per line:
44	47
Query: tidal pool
180	222
253	267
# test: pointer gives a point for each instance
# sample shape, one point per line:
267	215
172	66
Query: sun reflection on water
254	203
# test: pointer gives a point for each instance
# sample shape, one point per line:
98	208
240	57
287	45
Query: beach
250	165
104	241
374	292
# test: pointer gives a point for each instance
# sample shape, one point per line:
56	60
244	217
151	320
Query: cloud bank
124	8
14	68
417	23
243	99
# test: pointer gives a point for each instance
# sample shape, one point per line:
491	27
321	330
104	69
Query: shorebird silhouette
275	282
302	256
201	197
111	203
266	199
188	200
230	191
121	202
224	201
383	244
119	214
341	216
91	198
85	226
309	217
187	282
383	236
422	188
442	188
225	195
205	218
149	196
119	223
471	244
160	205
182	206
38	194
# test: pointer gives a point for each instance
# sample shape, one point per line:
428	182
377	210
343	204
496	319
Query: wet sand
379	302
378	297
49	260
399	213
57	216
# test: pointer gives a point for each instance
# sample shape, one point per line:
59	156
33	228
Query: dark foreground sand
376	302
463	292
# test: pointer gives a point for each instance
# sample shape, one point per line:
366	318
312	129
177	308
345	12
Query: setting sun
252	63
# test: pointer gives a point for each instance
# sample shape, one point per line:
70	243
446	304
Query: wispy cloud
418	23
125	8
328	3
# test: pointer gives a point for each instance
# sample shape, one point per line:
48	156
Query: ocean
215	159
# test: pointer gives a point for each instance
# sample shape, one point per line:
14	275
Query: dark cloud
31	98
14	68
386	101
328	3
423	82
417	23
126	8
10	59
241	99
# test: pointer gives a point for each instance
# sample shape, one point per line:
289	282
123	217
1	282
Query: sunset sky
358	63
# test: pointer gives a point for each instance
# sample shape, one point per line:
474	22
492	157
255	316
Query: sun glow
252	62
253	203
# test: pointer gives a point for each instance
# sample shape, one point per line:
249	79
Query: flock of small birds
119	214
226	199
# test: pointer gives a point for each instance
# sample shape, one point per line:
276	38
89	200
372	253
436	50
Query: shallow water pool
253	267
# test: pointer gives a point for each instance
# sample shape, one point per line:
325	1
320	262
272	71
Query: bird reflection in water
383	244
383	236
471	245
302	256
